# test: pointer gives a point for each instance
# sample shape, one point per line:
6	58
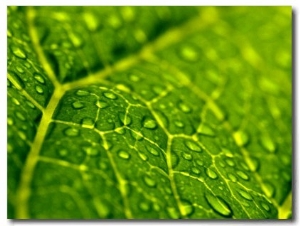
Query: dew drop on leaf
227	152
241	138
125	119
20	116
30	104
77	105
10	121
184	108
63	152
268	144
230	162
39	78
18	52
158	89
219	205
173	213
134	78
16	102
152	150
39	89
245	195
199	162
193	146
232	177
110	95
186	208
211	173
143	156
188	53
206	130
87	122
179	124
268	189
174	159
149	181
136	135
144	206
265	206
242	175
195	170
124	154
149	123
82	93
71	132
92	151
101	104
20	69
187	156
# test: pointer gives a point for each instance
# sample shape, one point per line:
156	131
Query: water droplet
232	177
158	89
174	159
87	123
219	205
245	195
195	170
9	34
253	164
268	189
179	124
193	146
186	208
134	78
149	181
39	89
199	162
110	95
149	123
143	156
206	130
63	152
244	166
123	154
187	156
18	52
144	206
10	121
189	53
120	130
125	119
78	105
92	151
72	132
20	116
136	135
211	173
265	206
82	93
39	78
76	40
22	135
183	107
156	207
16	102
241	138
101	104
242	175
173	213
114	21
91	21
153	151
28	65
227	152
30	104
20	69
230	162
268	143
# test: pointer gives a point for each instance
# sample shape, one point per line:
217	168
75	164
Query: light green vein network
149	112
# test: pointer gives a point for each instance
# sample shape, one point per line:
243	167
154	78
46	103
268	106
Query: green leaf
149	112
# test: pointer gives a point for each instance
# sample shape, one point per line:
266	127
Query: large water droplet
143	156
211	173
144	206
18	52
101	104
149	123
268	144
20	69
20	116
16	102
241	138
219	205
149	181
30	104
179	124
245	195
195	170
184	107
124	154
91	21
206	130
110	95
92	151
242	175
268	189
87	123
227	152
78	105
187	156
265	206
134	78
125	119
199	162
193	146
253	164
136	135
174	159
82	93
10	121
189	53
76	40
39	89
72	132
232	177
39	78
173	213
186	208
152	150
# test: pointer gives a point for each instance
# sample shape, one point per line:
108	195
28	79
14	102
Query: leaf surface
149	112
